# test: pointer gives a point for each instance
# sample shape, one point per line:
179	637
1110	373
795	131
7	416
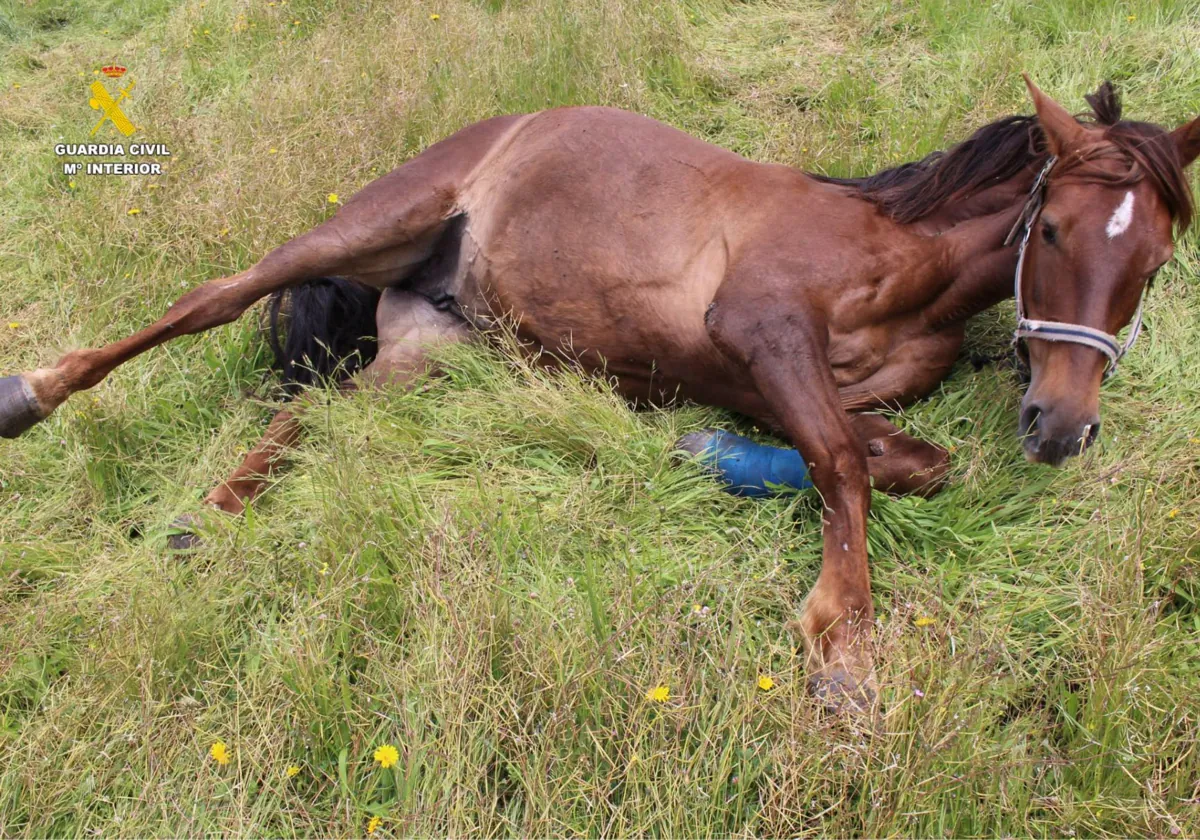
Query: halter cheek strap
1027	328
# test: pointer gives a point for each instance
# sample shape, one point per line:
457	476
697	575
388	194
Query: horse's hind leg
351	242
409	327
898	462
383	232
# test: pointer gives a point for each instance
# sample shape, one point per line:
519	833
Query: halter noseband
1028	328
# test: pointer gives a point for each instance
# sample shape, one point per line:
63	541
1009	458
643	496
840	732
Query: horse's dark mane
1000	150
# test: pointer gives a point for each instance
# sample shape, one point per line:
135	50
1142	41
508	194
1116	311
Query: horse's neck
971	256
987	202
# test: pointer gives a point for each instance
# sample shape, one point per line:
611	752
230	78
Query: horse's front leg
783	350
899	463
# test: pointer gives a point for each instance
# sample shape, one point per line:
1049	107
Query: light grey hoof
839	693
18	406
695	443
183	536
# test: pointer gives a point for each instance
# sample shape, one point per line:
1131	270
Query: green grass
492	571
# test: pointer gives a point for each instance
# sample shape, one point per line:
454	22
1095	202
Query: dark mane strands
994	153
1000	150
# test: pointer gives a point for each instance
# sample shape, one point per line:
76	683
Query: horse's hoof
18	406
841	693
696	443
183	535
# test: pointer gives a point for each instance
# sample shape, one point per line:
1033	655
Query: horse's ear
1187	141
1062	131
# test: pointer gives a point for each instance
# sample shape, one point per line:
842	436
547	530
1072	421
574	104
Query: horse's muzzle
1051	437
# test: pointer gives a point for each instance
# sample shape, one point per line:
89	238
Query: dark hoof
18	406
183	536
840	693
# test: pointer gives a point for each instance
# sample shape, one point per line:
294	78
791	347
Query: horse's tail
320	328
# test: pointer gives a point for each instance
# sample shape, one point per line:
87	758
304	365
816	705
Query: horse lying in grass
680	269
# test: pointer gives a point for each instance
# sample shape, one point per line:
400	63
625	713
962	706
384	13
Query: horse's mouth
1053	451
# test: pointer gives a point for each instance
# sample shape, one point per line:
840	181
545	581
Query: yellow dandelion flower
219	753
295	23
13	325
132	211
152	186
1131	18
387	755
1174	512
292	772
332	198
272	151
71	185
924	621
766	683
659	694
17	86
1193	440
373	824
435	16
223	232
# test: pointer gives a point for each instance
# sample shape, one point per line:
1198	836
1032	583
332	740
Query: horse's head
1112	198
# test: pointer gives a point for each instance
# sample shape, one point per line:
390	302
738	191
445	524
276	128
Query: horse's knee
898	462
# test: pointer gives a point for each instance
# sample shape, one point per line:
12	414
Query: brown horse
683	270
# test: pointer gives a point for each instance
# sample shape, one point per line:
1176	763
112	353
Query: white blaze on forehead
1121	217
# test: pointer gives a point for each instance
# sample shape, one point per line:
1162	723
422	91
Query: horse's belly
623	293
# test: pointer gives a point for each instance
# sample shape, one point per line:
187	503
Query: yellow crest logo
110	106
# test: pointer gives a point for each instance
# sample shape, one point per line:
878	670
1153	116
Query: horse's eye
1049	233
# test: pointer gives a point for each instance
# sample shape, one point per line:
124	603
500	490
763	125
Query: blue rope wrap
752	469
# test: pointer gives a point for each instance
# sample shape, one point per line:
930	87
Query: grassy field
492	572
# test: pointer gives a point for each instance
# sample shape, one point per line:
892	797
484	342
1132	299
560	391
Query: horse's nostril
1029	421
1090	432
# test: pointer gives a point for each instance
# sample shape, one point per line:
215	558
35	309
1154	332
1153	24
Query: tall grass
491	572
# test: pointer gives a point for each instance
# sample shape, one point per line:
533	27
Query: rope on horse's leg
748	468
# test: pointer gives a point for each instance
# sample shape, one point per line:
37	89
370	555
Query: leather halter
1027	328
